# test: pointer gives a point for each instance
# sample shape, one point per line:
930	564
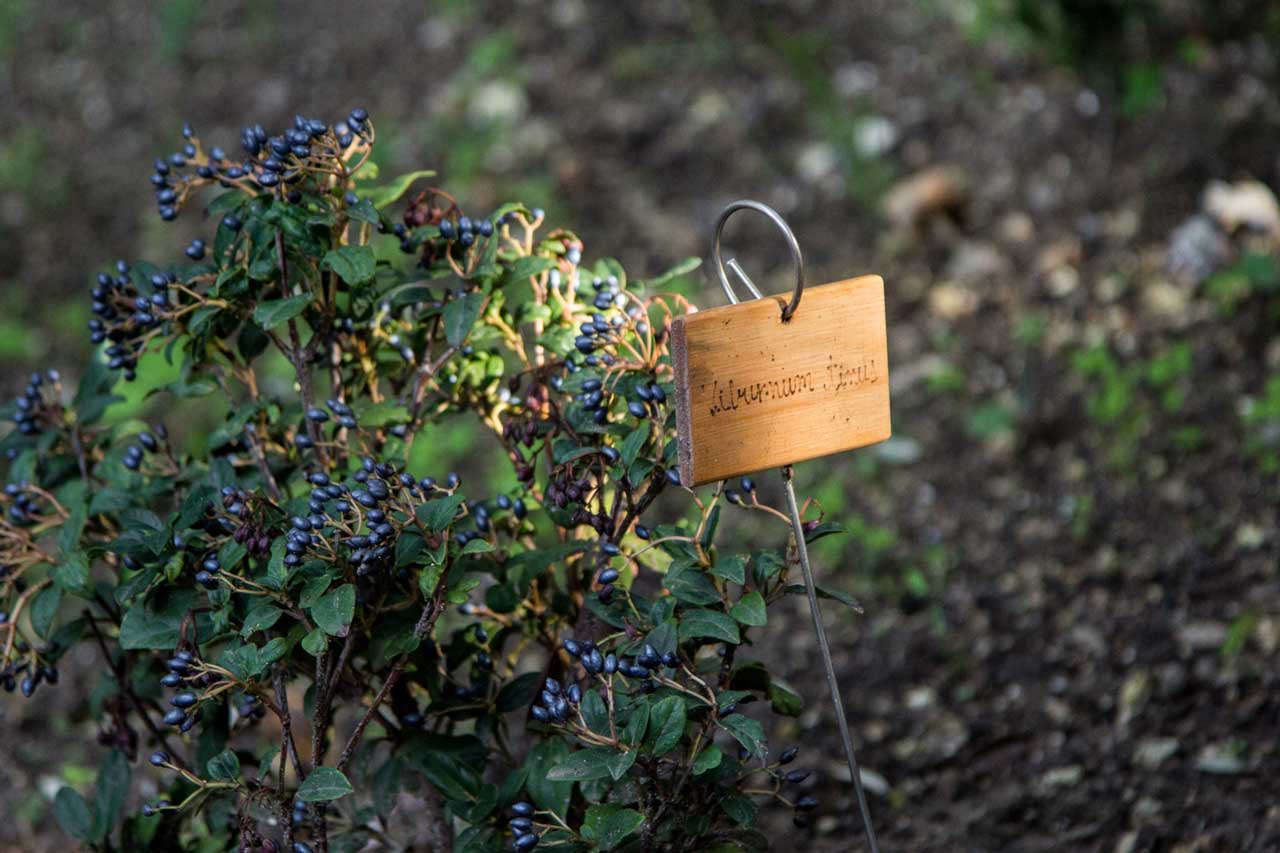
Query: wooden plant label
753	392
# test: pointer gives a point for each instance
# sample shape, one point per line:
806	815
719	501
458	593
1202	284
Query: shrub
305	635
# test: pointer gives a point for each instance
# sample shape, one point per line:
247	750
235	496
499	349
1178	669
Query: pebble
1150	753
1202	636
934	190
1243	204
1219	759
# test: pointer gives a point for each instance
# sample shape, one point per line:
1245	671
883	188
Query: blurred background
1067	553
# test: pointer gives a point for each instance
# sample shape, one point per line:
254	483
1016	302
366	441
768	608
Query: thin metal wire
792	244
803	551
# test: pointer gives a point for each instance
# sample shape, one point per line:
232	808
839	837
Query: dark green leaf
690	584
260	617
607	825
334	610
323	784
109	793
355	264
620	762
666	724
633	443
72	574
708	759
270	314
224	767
548	793
73	815
740	808
43	608
591	763
527	266
824	592
519	692
594	712
155	624
749	610
732	568
393	189
826	528
747	731
784	699
460	315
708	623
438	514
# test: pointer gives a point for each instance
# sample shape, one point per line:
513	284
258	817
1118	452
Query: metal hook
747	204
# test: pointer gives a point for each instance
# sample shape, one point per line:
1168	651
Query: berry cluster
280	161
182	673
126	317
522	827
32	407
26	676
146	443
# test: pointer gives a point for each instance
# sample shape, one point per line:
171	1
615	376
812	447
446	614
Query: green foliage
298	562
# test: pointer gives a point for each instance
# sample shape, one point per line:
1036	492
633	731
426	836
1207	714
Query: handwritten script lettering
735	393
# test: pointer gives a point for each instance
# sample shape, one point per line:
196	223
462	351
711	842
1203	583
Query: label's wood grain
753	392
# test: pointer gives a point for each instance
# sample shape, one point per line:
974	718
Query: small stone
1150	753
1243	204
817	161
1063	777
1202	636
874	136
1133	696
975	262
1197	249
1250	536
1220	759
1162	297
951	300
1062	282
1016	227
919	698
935	190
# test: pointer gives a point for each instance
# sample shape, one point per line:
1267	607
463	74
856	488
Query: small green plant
301	631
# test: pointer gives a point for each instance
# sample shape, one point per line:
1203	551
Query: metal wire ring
759	207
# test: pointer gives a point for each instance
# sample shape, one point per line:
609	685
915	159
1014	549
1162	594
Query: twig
117	671
430	613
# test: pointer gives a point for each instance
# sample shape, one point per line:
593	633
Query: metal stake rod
812	591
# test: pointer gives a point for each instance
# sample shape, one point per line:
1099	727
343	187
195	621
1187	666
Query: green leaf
548	793
476	546
607	825
72	574
784	699
438	514
73	815
824	592
620	762
747	731
260	617
708	759
594	712
666	725
270	314
335	609
591	763
731	568
690	584
44	608
685	267
381	414
323	784
749	610
460	315
633	443
109	793
355	264
314	642
518	692
740	808
148	625
224	767
637	725
708	623
527	266
393	189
